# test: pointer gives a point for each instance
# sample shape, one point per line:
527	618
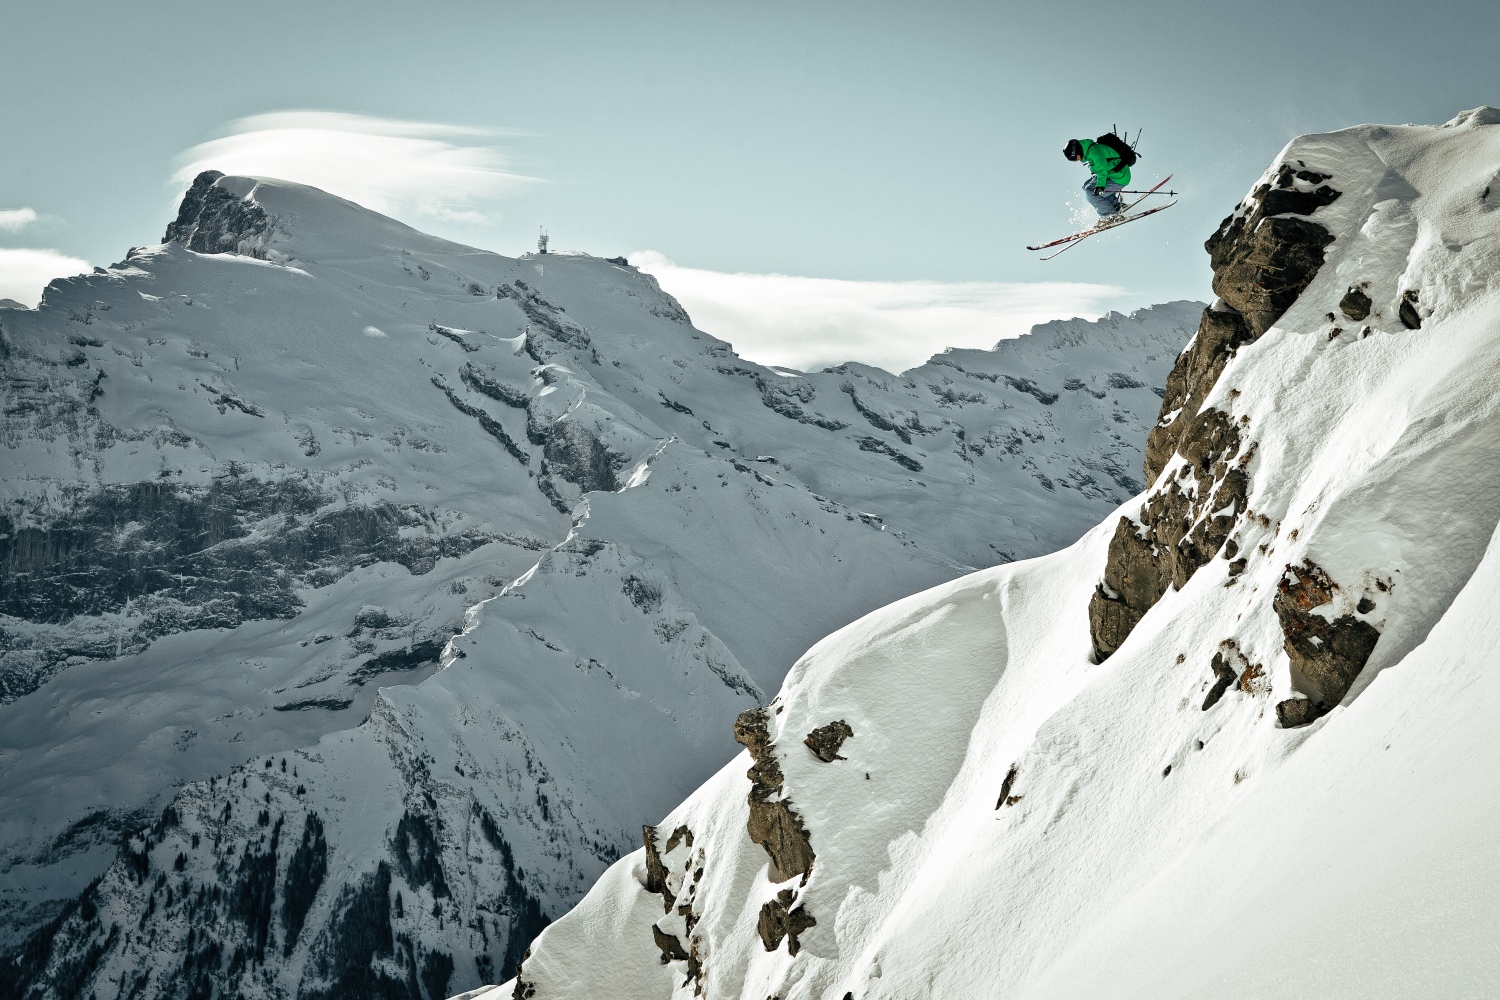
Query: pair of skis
1119	219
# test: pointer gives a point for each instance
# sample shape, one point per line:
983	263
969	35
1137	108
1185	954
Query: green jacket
1104	162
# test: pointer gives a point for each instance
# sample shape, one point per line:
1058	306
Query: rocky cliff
1237	741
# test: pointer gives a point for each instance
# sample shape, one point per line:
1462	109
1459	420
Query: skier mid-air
1108	173
1109	159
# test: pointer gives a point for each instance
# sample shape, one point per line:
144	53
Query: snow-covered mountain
283	458
1237	741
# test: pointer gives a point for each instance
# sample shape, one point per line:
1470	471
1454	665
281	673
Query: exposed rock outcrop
674	872
1224	676
1181	527
671	947
656	871
213	220
574	453
546	318
496	390
1007	799
491	426
1262	260
1355	304
1221	333
186	557
1294	712
1410	318
825	741
773	824
782	918
1327	653
657	878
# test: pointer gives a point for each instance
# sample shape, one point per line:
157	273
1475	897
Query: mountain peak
272	219
215	219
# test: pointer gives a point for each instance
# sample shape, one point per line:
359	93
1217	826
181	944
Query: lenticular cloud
13	220
806	323
403	169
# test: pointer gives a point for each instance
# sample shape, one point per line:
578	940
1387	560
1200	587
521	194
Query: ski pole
1172	193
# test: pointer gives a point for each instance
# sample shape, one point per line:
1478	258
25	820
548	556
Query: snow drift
1237	741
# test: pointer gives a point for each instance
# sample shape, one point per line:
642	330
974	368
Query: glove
1099	189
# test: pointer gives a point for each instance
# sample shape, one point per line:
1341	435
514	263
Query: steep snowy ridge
300	451
1237	741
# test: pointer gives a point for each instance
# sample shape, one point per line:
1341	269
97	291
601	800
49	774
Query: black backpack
1120	146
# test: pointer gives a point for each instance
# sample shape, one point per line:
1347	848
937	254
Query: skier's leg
1110	190
1104	204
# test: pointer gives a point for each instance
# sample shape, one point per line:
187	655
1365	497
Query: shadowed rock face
1135	581
212	220
1326	653
656	870
1296	192
1220	334
671	948
1182	526
188	557
1262	260
1410	318
581	458
782	918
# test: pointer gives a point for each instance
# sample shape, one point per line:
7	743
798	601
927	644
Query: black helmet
1073	150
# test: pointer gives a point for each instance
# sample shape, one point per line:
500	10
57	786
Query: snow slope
258	471
1044	789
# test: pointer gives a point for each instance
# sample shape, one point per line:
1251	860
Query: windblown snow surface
259	470
1006	817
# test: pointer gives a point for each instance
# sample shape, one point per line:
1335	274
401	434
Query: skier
1108	173
1109	159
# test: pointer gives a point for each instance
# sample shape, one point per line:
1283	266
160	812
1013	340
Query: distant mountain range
468	562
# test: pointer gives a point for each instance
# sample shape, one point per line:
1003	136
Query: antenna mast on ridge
541	241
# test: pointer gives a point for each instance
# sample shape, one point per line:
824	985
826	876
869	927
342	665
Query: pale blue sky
868	141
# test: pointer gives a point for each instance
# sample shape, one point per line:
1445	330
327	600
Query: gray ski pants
1107	203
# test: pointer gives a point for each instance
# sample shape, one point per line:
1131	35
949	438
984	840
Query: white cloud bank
809	323
408	170
24	272
13	220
